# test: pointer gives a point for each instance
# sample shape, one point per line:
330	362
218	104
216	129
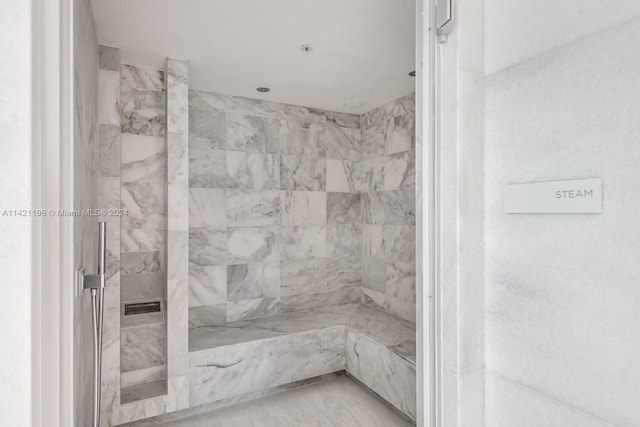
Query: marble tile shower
238	210
266	233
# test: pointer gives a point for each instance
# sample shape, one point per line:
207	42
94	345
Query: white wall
562	292
15	193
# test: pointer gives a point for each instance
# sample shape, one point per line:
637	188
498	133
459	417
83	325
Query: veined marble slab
246	356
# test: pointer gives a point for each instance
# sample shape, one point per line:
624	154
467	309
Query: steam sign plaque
574	196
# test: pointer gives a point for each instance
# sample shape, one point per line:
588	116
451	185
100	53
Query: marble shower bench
245	357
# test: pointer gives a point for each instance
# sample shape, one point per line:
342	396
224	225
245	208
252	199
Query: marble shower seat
234	359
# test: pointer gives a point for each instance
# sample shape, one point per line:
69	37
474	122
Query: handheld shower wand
95	283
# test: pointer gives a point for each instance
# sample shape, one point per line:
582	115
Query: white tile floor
335	403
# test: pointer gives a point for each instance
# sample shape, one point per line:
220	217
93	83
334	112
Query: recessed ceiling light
306	48
412	74
263	89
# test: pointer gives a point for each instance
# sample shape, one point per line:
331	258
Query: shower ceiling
362	52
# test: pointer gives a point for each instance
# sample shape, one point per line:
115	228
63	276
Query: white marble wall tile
207	285
177	157
208	246
253	366
207	128
142	347
178	206
304	241
108	195
207	315
143	158
145	204
246	133
373	274
109	149
252	171
178	349
303	277
340	175
375	299
344	208
303	302
207	208
302	173
340	119
246	244
373	207
342	143
350	295
109	96
143	112
373	140
177	255
298	138
142	240
344	240
253	280
372	241
143	375
109	58
140	262
253	208
369	175
178	305
141	78
207	165
177	95
343	272
400	134
304	208
142	287
399	242
399	171
400	207
403	308
250	309
400	289
389	375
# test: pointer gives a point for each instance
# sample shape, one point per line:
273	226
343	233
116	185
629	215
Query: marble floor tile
335	403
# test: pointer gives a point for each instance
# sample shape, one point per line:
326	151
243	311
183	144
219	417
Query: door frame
53	278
